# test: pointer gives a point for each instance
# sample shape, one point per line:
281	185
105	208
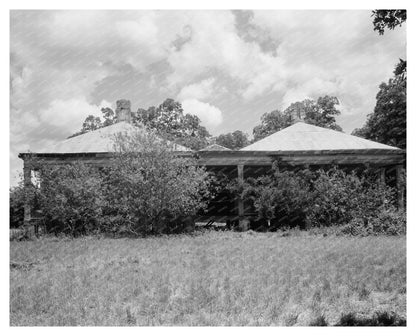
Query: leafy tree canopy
387	124
92	123
234	140
169	120
320	113
388	18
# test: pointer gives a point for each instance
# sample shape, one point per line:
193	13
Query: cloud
210	115
66	116
201	90
216	44
64	63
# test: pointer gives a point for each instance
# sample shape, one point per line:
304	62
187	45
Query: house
298	145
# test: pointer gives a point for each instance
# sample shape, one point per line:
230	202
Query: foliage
333	197
92	123
340	197
390	18
16	205
388	122
386	222
169	121
323	112
401	69
319	113
234	140
271	122
70	197
282	199
379	319
148	187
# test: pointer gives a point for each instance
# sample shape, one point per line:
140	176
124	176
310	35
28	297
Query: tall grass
216	278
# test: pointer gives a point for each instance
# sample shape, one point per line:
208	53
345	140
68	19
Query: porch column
383	175
400	189
27	182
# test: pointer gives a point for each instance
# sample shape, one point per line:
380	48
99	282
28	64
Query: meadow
211	278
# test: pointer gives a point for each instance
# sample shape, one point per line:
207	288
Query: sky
226	67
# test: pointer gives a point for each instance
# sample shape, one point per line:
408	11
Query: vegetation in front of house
146	189
212	278
356	204
154	191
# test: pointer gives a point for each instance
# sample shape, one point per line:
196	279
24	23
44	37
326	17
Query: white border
213	4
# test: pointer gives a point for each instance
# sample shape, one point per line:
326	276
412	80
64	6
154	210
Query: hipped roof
305	137
98	141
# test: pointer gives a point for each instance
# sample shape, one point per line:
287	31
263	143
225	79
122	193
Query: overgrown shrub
359	204
379	319
149	188
342	197
386	222
16	206
282	199
70	197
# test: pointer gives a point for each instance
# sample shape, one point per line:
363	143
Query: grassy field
215	278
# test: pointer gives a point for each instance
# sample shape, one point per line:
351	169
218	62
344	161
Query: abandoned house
299	145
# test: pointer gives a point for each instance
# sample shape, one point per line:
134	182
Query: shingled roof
305	137
98	141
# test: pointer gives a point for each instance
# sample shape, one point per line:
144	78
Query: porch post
399	184
383	175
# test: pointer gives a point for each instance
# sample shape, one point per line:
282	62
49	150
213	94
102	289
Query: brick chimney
123	110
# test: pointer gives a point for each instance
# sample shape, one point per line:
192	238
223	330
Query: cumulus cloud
219	46
201	90
210	115
66	116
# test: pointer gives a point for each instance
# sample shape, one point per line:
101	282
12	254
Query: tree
401	69
320	113
270	123
109	116
388	122
170	122
390	18
92	123
151	189
234	140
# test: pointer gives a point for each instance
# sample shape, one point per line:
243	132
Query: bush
341	198
150	189
379	319
360	205
16	206
282	199
70	198
146	189
387	222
